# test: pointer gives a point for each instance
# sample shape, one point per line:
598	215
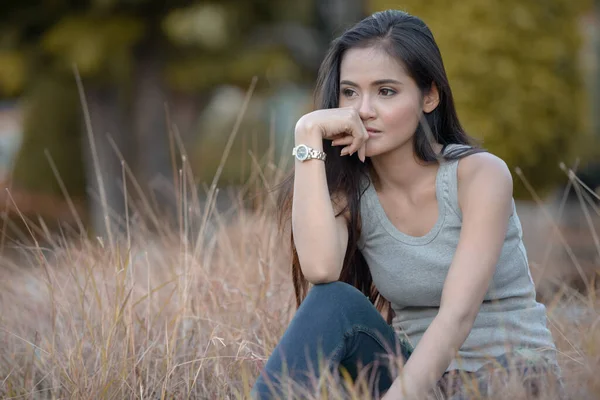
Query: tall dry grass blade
94	152
25	222
41	261
588	218
572	175
65	192
262	177
187	171
172	155
555	228
126	200
5	213
559	213
5	223
148	209
24	340
217	176
588	194
20	237
32	229
46	233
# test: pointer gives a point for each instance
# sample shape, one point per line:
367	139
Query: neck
401	170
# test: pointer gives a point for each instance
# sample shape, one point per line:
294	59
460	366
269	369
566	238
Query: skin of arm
313	222
485	199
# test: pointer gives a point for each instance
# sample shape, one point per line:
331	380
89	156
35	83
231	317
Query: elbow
320	280
317	277
320	273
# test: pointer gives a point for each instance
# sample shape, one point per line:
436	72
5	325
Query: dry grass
96	323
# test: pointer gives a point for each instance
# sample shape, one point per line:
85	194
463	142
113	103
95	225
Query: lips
373	132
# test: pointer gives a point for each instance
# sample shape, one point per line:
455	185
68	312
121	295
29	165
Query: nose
365	109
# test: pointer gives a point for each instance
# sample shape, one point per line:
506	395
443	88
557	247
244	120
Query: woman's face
386	97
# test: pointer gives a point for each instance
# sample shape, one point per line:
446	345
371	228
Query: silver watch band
316	154
303	153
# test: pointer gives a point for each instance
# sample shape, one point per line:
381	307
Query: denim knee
339	298
337	290
344	306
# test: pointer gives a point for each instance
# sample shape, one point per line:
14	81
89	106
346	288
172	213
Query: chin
380	148
374	151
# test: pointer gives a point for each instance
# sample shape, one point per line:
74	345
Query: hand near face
343	126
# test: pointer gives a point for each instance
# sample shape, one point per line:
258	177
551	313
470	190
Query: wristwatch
303	153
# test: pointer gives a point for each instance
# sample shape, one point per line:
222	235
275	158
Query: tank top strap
449	178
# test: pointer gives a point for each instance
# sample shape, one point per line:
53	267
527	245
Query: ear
431	99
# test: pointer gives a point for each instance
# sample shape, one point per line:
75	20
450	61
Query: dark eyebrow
375	83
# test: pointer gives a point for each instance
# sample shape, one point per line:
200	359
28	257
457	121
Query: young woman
395	212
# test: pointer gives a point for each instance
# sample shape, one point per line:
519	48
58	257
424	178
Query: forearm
432	356
313	220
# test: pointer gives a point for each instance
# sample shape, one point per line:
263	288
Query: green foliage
51	123
515	73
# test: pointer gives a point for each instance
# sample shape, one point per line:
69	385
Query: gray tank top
410	272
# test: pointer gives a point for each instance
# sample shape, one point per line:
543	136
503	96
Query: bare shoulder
483	177
483	167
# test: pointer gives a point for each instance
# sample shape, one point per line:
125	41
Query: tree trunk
153	168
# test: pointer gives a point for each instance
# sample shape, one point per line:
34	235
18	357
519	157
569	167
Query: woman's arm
321	238
485	199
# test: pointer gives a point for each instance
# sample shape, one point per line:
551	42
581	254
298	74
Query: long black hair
409	40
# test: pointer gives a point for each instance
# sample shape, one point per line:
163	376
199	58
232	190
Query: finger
362	151
343	141
363	148
359	140
350	149
337	136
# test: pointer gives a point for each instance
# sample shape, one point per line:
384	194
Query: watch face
301	152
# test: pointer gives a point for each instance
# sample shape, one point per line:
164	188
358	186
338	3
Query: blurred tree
133	57
515	73
136	56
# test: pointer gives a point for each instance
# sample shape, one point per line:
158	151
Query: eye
387	92
348	92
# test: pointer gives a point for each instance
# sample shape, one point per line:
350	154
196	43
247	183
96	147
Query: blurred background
162	76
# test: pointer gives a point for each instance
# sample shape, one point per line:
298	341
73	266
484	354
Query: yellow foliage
203	24
92	43
204	72
12	73
515	74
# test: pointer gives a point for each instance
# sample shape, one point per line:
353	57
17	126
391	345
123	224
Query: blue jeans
336	323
